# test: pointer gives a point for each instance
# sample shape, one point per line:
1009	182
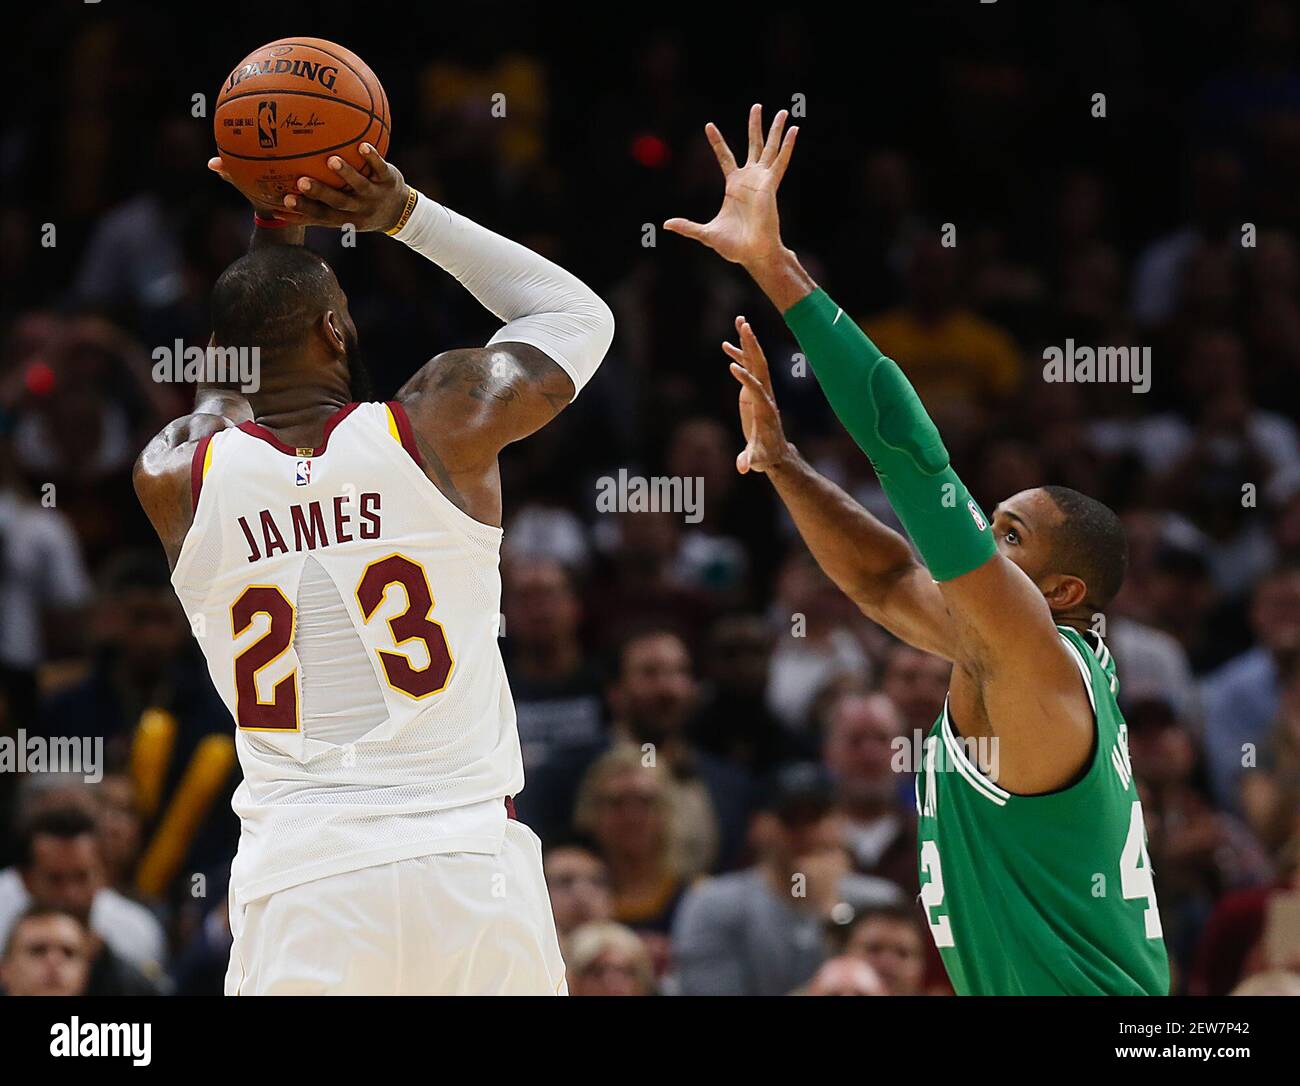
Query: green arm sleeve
882	412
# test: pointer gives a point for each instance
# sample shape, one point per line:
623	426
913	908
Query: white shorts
459	923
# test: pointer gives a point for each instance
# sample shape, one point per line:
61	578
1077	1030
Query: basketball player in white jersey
339	564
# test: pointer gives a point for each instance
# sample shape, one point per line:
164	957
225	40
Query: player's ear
1064	591
332	327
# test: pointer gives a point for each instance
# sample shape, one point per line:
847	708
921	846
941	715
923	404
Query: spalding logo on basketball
290	105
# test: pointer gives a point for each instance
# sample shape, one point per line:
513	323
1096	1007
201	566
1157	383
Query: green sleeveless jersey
1040	895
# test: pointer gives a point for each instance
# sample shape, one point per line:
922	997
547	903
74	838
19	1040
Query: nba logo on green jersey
1047	894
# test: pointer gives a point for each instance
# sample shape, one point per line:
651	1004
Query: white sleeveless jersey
349	615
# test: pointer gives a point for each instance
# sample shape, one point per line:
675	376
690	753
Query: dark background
1117	230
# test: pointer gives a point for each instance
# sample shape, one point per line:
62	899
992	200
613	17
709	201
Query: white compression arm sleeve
542	304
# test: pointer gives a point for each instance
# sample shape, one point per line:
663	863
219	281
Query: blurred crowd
714	739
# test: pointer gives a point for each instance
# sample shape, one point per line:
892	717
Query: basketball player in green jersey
1035	877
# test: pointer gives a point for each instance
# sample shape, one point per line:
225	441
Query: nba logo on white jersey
303	475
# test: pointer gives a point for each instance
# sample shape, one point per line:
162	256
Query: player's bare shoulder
162	476
466	405
498	393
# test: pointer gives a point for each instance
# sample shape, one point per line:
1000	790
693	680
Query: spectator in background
815	643
1043	253
62	867
43	585
884	221
1272	320
578	882
1092	291
1152	666
89	404
1270	793
120	830
1233	945
1232	427
733	721
144	660
637	585
651	700
1216	186
1286	520
890	939
1241	699
136	262
917	683
606	959
627	809
540	531
1204	470
201	964
956	359
1211	294
1197	851
557	688
1169	587
1272	982
848	975
763	931
148	694
46	954
861	754
710	559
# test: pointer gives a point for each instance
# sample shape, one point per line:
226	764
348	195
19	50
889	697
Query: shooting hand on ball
367	203
267	210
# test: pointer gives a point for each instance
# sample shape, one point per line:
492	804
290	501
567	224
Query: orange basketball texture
290	105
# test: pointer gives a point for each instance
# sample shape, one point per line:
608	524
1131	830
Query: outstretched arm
870	562
467	405
1003	638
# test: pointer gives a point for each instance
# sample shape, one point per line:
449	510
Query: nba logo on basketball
303	474
266	134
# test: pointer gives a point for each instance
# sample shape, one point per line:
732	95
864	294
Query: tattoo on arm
466	406
474	377
504	377
520	388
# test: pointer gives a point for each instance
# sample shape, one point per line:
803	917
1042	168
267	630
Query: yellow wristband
411	197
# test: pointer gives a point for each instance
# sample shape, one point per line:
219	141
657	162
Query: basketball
288	107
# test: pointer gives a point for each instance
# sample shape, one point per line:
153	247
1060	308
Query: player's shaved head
272	297
1088	543
1053	532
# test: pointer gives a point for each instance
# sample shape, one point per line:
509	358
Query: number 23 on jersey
280	711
